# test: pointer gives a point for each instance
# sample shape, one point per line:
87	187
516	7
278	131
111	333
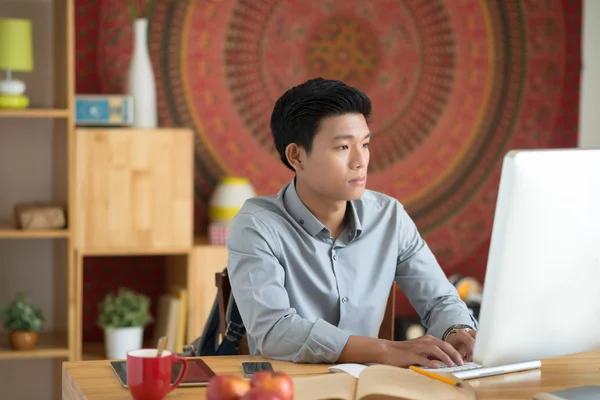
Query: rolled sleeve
325	343
421	278
257	282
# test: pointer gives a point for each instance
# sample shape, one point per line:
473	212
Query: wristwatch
456	328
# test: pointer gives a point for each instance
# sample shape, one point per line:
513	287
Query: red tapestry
454	84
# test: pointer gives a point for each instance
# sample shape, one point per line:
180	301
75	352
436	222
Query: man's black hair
299	111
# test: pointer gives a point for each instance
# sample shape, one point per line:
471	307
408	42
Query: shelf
133	251
50	345
35	113
93	351
11	233
96	351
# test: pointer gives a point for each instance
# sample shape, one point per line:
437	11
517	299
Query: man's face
337	164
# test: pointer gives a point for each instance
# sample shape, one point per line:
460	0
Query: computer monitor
541	294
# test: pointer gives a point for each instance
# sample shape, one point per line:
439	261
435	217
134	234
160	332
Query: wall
589	123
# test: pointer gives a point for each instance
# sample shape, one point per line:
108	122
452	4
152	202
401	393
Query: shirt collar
308	221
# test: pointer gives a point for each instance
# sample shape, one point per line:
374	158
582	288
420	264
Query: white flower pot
119	341
140	79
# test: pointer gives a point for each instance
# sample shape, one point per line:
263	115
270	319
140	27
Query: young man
311	268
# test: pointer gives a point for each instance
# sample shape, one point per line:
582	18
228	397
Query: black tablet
197	374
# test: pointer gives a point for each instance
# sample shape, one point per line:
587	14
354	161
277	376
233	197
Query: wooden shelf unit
54	345
193	269
146	176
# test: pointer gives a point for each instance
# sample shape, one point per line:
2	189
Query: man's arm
421	278
257	282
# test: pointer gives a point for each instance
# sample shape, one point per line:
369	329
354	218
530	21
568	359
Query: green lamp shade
15	45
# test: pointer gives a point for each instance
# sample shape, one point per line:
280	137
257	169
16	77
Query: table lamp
15	55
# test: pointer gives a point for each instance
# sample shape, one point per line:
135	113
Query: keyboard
466	366
470	370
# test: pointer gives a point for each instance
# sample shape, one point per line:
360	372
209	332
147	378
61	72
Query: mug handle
181	374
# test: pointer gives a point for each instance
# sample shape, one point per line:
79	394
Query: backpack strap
208	343
235	331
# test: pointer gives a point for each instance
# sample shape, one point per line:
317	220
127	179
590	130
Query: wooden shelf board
35	113
50	345
93	351
96	350
132	251
11	233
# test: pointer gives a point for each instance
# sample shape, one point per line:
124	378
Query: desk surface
94	380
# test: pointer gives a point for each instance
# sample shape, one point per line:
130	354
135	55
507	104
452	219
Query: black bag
208	343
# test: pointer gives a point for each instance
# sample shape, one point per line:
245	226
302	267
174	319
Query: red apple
227	387
260	394
278	382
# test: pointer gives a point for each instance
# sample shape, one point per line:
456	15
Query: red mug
149	377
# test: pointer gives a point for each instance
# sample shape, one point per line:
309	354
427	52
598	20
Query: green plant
21	315
124	309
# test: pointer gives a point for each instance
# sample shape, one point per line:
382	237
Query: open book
378	382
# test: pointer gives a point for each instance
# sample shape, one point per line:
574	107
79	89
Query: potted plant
123	317
23	321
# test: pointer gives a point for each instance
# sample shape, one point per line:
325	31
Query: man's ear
295	156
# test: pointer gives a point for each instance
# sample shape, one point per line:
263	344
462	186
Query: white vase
118	341
140	79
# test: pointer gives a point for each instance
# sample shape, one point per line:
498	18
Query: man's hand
464	342
426	350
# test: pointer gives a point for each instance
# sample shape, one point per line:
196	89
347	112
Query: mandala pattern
345	47
454	84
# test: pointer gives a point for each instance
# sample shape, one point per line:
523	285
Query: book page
385	382
331	386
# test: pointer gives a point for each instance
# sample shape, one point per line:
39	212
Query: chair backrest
386	330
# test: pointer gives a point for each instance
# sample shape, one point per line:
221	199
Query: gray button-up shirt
301	293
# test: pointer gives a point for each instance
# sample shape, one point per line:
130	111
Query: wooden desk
95	380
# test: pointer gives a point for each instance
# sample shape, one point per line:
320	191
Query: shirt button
301	222
335	257
345	300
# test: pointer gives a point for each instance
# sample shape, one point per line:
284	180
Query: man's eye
366	144
343	147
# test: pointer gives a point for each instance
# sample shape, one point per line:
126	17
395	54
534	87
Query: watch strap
456	328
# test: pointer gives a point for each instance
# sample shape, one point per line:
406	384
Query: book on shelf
171	319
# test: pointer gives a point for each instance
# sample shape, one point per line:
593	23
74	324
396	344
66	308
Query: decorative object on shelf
470	291
23	321
217	233
123	317
227	199
103	110
39	216
140	74
15	55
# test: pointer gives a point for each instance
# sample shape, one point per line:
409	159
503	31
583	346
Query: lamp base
13	101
